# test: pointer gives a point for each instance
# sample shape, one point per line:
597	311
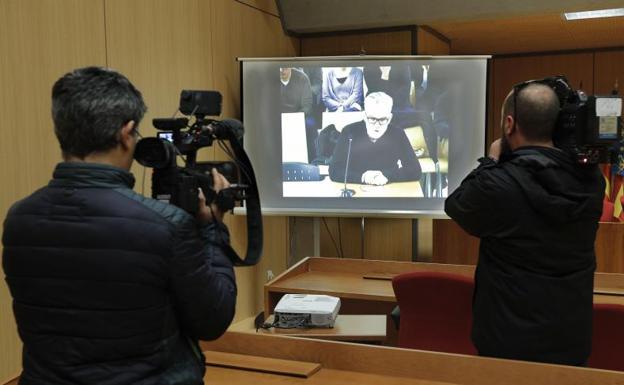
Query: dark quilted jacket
536	212
110	287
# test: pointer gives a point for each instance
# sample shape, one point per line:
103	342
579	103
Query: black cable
229	153
332	237
293	242
340	239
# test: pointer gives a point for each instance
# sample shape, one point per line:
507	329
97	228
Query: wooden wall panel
608	67
449	239
384	239
345	231
388	239
242	31
610	248
34	53
373	43
451	244
162	46
251	280
269	6
424	252
430	43
577	67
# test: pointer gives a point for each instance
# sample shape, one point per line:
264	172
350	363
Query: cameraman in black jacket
536	211
110	287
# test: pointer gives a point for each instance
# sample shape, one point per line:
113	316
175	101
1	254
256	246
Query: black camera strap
252	204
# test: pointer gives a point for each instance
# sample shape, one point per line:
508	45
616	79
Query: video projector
306	310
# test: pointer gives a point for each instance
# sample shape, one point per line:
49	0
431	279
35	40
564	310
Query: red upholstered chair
436	311
608	337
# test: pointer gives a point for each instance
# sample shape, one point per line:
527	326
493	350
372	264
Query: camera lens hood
154	152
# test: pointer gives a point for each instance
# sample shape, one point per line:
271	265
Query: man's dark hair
90	106
536	111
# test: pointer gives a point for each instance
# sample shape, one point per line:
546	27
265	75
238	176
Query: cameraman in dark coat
536	211
110	287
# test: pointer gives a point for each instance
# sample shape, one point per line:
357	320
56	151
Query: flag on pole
605	168
617	191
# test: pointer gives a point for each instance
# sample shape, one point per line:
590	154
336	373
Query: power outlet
270	275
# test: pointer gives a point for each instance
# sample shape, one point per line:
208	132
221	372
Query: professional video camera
183	137
589	127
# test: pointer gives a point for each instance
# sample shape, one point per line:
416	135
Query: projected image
364	131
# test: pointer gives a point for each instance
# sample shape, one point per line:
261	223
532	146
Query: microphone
225	129
235	126
346	192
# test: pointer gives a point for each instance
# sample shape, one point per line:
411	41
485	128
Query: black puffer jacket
110	287
537	216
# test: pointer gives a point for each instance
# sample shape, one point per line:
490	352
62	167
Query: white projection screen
365	136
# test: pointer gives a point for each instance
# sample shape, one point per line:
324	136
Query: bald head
537	108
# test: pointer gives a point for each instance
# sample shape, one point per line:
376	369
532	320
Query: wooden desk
368	327
345	278
344	363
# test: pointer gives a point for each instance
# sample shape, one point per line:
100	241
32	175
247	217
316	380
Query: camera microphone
346	192
225	129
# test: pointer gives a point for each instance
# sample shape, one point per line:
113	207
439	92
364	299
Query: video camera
589	127
183	137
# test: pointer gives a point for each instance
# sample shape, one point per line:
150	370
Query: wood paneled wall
369	43
33	53
430	42
163	46
594	72
268	6
507	71
608	68
241	31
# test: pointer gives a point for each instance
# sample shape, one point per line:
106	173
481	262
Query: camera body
587	126
179	185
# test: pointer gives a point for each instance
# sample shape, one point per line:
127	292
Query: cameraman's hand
209	213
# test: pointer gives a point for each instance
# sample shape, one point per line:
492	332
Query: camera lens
154	152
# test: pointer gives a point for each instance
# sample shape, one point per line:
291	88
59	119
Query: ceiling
472	27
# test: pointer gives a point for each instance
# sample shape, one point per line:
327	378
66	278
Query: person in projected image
297	96
380	153
296	91
394	80
343	89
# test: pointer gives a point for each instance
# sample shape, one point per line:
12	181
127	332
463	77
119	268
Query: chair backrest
608	337
436	311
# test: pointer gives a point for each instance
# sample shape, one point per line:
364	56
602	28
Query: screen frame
378	213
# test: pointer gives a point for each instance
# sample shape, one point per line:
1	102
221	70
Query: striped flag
607	211
618	212
617	191
605	168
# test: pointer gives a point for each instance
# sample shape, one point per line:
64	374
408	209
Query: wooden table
360	328
244	358
326	188
365	287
